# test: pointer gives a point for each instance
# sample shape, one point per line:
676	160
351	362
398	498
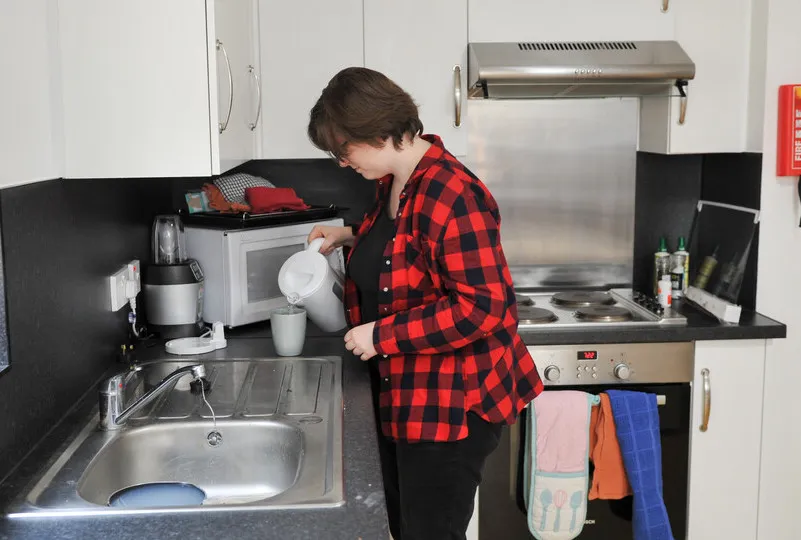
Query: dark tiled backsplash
668	188
61	239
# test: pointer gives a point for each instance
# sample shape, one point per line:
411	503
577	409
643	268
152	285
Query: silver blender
172	283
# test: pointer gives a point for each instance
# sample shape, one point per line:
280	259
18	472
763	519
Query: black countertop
700	327
363	515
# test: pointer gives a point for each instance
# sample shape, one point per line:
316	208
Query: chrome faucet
112	415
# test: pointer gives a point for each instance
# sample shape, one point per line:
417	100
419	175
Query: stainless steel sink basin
281	427
257	460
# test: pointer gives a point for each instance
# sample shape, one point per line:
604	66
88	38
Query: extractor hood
577	69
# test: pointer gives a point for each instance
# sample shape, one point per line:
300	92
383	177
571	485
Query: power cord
131	290
132	317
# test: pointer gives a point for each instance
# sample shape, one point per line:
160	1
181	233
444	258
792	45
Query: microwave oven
241	267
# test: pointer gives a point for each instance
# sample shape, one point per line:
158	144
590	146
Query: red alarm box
788	155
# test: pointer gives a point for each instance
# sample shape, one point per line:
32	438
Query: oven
664	369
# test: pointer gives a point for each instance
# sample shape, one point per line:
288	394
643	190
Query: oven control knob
552	373
622	372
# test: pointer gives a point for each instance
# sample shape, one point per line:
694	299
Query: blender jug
169	246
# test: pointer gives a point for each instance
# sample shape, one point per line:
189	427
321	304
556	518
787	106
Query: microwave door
254	275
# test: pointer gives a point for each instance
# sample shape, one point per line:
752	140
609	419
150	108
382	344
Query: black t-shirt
365	264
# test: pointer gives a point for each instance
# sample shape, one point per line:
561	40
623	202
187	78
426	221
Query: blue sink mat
158	495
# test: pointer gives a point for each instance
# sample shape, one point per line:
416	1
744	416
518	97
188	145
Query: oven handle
661	400
707	399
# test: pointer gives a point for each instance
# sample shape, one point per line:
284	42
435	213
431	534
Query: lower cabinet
725	440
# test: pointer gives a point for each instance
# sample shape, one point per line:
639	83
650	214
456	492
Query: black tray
217	220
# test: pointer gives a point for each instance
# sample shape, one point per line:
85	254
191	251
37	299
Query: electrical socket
128	273
133	274
117	289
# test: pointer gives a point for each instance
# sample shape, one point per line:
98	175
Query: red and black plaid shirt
447	328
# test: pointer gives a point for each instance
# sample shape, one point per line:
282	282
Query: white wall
778	294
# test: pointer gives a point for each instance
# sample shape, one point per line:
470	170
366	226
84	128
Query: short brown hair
362	105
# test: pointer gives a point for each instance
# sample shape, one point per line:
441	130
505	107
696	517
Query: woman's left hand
359	340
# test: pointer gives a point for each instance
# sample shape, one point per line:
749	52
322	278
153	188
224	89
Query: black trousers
430	486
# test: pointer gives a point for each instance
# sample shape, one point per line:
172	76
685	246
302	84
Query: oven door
502	512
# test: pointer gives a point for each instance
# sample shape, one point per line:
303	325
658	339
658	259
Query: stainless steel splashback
563	173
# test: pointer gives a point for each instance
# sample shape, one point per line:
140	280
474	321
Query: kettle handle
315	245
333	258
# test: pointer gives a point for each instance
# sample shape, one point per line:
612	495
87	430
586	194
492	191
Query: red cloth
266	199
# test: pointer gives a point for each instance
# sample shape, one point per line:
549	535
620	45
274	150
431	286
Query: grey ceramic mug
289	330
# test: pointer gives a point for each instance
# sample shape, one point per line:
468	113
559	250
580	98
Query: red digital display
588	355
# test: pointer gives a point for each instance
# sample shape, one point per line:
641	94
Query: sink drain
214	438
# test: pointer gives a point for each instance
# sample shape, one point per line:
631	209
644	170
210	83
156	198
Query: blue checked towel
637	426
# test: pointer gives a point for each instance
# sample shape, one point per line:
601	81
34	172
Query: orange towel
218	202
609	479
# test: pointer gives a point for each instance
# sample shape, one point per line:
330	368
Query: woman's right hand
334	237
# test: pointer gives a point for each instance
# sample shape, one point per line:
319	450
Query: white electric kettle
316	282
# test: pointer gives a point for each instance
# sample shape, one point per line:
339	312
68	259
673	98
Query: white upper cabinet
419	44
30	144
572	20
234	32
716	35
303	45
146	86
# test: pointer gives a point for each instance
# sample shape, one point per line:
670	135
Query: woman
430	304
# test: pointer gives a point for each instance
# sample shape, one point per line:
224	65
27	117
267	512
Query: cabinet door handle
682	87
665	6
457	95
707	400
224	125
255	75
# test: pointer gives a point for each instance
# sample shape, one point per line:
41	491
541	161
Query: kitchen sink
255	461
274	441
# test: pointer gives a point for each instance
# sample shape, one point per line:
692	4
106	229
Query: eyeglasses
340	154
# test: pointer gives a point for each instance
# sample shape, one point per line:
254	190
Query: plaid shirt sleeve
467	256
